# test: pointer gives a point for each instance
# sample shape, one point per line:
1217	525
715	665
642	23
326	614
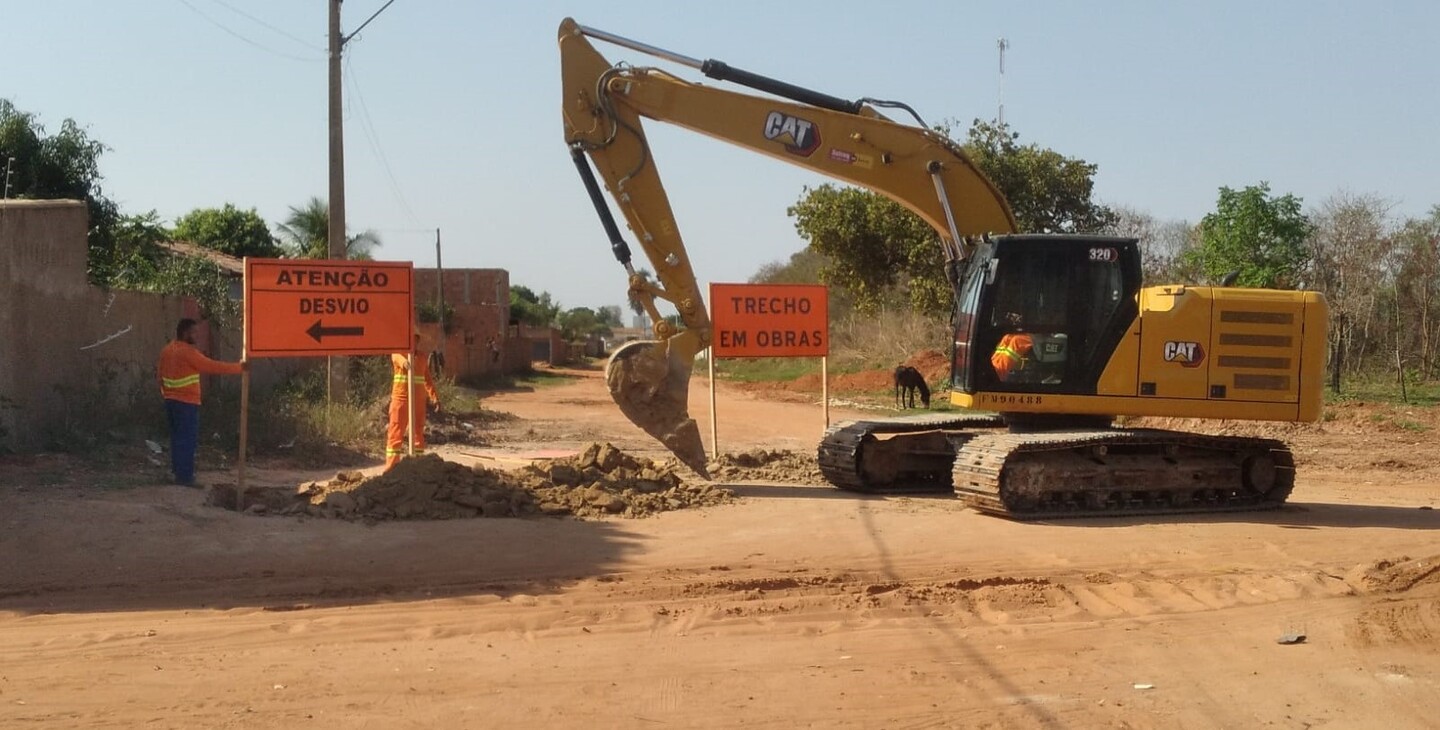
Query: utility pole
337	139
336	243
338	382
1002	44
440	298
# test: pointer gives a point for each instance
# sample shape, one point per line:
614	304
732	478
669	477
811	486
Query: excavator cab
1054	308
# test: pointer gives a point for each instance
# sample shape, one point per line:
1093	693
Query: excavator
1054	335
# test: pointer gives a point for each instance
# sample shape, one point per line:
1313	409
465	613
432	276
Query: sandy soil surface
796	605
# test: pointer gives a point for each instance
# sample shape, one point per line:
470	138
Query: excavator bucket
650	381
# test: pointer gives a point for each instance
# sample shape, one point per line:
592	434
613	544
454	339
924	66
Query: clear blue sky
203	105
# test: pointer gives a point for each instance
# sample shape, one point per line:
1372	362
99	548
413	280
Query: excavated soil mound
601	480
769	466
1395	575
605	480
933	364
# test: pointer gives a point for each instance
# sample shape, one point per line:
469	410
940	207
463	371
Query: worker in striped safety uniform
406	370
179	370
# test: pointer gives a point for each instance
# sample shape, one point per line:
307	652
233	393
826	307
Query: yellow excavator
1054	336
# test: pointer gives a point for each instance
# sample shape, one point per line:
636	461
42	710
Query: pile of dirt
1395	575
775	465
601	480
423	488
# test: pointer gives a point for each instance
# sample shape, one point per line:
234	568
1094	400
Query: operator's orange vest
1010	354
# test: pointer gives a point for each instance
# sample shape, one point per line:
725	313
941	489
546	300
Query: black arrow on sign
320	331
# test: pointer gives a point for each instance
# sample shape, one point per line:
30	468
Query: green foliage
609	315
229	230
536	310
766	369
429	313
883	255
306	234
582	322
188	276
1261	236
1047	191
63	165
871	244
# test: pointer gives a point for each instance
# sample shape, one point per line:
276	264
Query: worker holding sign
411	374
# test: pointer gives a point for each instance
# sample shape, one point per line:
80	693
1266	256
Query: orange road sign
770	320
304	308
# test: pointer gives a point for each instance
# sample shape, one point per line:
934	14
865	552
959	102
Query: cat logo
1188	354
799	136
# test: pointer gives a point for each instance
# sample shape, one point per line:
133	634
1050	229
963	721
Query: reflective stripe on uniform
181	382
419	379
1007	352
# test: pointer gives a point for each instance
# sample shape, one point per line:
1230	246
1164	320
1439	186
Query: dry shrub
884	339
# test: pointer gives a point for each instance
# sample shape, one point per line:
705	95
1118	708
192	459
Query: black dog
907	381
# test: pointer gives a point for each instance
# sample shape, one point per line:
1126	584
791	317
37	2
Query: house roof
227	263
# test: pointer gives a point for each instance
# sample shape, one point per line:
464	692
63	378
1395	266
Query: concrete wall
70	353
481	300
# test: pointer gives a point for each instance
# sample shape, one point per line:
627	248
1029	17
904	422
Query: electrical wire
260	22
368	127
246	40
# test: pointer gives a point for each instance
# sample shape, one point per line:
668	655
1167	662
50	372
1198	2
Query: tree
1349	261
63	165
582	322
306	233
871	244
1162	244
1417	249
1256	234
136	252
1047	191
881	253
610	315
230	231
533	309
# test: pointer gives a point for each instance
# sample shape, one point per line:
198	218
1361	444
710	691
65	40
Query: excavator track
896	455
1114	472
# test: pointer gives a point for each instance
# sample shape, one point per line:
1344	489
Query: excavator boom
603	105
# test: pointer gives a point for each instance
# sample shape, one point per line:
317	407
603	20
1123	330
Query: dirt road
796	606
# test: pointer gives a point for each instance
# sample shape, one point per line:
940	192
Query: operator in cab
1014	350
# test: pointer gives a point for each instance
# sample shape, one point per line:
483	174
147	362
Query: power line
244	39
368	127
377	13
258	21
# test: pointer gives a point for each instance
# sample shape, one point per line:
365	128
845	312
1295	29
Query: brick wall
479	339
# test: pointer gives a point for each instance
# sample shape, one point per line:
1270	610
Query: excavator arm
918	168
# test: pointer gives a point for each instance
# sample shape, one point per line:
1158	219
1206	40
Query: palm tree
306	232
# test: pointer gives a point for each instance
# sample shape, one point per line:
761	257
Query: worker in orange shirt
408	371
179	370
1012	352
